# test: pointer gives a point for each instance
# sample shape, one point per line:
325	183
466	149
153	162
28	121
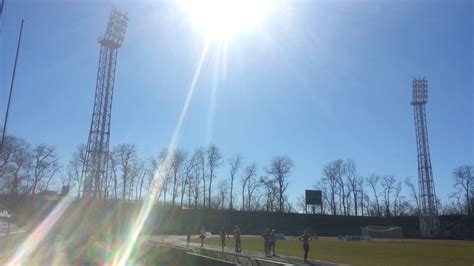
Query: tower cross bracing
97	150
429	222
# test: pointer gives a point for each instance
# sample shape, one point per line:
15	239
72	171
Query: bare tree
396	198
464	180
9	147
133	176
200	155
125	157
288	205
75	168
331	173
366	200
44	166
373	181
155	176
177	161
280	169
196	180
451	208
234	164
164	172
353	182
223	190
404	207
325	195
252	186
17	165
301	204
249	172
189	166
214	160
271	192
340	173
112	168
360	184
65	183
413	193
142	173
457	204
107	181
388	184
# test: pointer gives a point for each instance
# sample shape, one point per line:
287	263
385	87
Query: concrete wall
169	221
115	217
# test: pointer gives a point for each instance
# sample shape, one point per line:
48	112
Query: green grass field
376	252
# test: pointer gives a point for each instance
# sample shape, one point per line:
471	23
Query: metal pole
11	87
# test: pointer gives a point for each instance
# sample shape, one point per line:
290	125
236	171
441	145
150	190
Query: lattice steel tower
97	151
429	222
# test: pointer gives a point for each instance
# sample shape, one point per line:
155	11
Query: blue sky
317	82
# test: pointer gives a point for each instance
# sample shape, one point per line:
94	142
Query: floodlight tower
97	150
429	222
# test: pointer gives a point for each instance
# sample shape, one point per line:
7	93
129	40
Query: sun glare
224	18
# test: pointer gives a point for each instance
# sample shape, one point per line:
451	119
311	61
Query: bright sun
224	18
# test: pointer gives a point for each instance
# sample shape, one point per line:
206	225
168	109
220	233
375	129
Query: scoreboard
313	197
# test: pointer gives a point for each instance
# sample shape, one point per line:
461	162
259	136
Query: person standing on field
223	235
238	247
188	239
305	238
202	235
266	242
272	242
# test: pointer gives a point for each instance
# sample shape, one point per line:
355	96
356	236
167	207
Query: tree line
346	192
189	179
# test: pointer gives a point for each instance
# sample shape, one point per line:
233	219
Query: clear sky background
317	82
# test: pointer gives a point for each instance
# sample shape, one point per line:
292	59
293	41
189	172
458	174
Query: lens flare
215	83
123	253
29	245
